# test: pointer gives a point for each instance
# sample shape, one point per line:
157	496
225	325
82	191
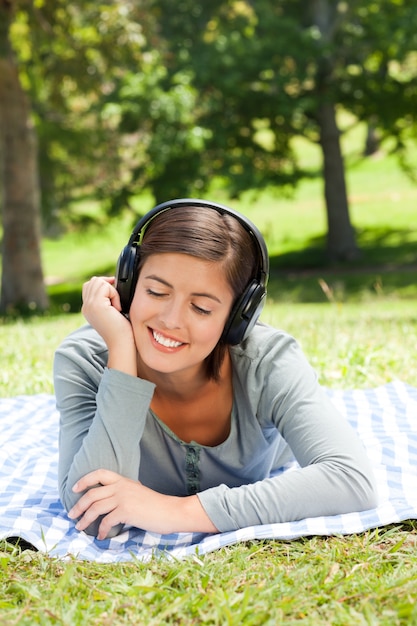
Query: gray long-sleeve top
279	412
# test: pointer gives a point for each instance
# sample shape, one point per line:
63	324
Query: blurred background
299	113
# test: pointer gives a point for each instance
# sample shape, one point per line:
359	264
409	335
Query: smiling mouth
165	341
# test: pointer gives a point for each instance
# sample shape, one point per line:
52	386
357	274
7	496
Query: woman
178	410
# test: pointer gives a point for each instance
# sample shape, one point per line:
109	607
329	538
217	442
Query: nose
172	315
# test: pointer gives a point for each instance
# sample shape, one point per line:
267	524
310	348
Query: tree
73	57
22	277
168	96
379	81
68	57
267	72
359	43
341	242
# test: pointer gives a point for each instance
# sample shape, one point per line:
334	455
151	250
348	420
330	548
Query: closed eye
155	294
201	311
161	294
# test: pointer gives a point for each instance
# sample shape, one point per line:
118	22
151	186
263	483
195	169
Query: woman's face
178	312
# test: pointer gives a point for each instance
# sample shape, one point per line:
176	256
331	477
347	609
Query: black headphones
248	307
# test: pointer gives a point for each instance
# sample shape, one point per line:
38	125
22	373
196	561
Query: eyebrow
167	284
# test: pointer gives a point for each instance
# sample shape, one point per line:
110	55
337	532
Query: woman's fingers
97	477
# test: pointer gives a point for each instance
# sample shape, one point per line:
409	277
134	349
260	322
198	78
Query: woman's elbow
366	492
67	496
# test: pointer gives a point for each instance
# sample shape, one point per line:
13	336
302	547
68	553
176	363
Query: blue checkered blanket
385	418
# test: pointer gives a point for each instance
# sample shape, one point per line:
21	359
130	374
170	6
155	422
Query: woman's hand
124	501
102	309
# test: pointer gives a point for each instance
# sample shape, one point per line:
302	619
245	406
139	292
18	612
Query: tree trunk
341	241
22	284
371	141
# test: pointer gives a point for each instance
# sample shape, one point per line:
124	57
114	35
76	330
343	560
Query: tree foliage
266	73
164	96
72	57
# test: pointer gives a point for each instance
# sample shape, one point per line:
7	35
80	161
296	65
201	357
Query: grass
358	328
382	209
362	579
349	344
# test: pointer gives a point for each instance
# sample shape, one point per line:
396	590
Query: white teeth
164	341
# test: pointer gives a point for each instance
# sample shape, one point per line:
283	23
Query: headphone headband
246	310
141	226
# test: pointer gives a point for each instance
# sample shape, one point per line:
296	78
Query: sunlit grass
349	344
354	345
363	579
27	350
383	203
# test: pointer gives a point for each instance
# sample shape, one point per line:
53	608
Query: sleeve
102	416
334	476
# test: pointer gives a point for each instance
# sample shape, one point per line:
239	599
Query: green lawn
383	208
357	327
349	344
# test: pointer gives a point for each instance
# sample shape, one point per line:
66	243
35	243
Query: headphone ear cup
126	275
244	314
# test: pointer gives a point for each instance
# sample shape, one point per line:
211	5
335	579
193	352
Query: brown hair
206	234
